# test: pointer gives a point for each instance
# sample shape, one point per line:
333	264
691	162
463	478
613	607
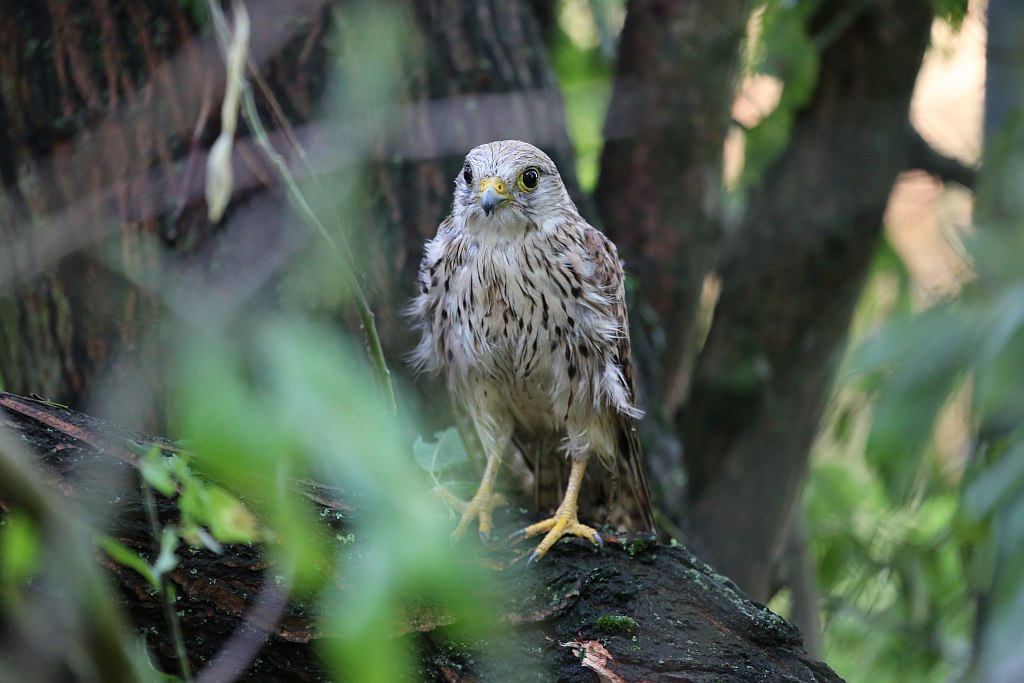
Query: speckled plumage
522	309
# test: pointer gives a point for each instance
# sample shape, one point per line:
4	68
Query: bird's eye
467	174
528	179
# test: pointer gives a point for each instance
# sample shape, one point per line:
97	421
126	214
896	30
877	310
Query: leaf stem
167	592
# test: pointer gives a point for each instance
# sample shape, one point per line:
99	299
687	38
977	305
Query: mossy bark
656	610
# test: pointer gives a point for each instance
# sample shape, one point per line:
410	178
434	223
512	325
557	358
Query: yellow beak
492	193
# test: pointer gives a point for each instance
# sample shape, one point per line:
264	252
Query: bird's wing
633	498
423	308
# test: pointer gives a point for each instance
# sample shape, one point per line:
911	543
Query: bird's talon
564	523
479	507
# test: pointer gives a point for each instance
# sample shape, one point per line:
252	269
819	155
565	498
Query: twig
240	650
166	589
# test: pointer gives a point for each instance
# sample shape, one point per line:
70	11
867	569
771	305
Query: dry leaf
594	656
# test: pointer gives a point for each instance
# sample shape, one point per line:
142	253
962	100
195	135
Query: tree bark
104	115
790	280
661	172
690	623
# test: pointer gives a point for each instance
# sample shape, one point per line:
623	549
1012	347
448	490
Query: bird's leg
564	522
480	505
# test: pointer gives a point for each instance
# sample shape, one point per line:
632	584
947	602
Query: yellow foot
564	523
480	506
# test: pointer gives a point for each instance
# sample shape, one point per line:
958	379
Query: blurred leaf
229	521
953	11
999	365
166	560
764	143
584	72
1007	320
889	263
124	556
436	456
995	485
915	363
198	537
310	399
19	550
222	513
155	471
786	52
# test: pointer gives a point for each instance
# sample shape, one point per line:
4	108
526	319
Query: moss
637	545
617	624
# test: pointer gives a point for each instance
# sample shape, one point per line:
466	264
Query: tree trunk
688	623
790	280
104	115
661	172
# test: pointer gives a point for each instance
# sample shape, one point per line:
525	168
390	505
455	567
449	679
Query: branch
933	162
658	192
791	276
635	609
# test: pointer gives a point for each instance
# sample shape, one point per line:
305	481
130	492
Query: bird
521	308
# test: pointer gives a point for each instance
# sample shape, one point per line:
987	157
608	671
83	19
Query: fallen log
632	611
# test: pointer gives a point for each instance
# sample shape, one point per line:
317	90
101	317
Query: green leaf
126	557
995	485
166	560
437	456
953	11
198	537
765	142
914	364
302	405
155	471
787	52
228	519
19	550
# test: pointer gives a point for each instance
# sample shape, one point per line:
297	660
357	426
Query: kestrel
522	306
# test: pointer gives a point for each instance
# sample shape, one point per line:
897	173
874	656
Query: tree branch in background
661	170
933	162
790	280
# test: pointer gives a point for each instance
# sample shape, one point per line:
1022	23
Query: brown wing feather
632	497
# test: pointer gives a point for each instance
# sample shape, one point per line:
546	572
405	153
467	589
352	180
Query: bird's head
508	184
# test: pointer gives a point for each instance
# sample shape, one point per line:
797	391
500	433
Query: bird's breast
515	320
